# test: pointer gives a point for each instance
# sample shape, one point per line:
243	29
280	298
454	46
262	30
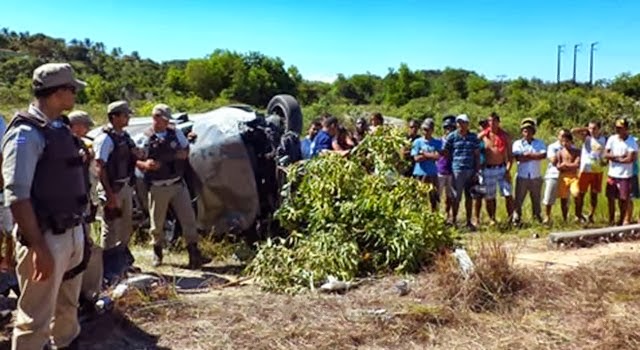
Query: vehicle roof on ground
138	124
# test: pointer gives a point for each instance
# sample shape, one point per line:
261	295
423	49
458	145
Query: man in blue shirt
425	151
305	144
323	140
463	148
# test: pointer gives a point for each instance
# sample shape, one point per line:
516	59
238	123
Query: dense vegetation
350	217
252	78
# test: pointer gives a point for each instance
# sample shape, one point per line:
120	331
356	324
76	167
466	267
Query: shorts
494	177
567	185
635	188
550	191
618	188
593	180
445	185
462	183
6	221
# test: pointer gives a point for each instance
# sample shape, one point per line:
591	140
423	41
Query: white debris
335	285
403	287
464	261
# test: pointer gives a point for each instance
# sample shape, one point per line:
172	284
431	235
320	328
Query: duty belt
59	225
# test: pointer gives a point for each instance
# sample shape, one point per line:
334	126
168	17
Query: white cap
462	118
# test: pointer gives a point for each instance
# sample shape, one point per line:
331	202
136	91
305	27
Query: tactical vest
121	163
86	163
164	151
58	191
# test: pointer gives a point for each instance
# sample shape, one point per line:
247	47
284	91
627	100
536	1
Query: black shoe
157	255
196	259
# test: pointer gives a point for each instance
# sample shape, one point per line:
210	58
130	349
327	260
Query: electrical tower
593	46
575	59
560	47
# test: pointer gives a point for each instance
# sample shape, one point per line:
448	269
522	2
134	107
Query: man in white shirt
591	165
621	151
551	177
529	152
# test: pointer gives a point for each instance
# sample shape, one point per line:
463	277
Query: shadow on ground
108	331
114	331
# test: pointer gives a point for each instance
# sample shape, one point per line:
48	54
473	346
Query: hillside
202	83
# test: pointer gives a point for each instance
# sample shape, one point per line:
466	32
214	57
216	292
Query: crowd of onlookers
476	163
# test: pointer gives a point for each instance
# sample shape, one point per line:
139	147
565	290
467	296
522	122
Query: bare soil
585	298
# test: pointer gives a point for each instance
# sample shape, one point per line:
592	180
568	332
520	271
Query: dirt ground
584	298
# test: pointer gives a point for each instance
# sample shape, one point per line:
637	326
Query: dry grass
500	307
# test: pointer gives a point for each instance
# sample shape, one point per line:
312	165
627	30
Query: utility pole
593	45
559	59
575	59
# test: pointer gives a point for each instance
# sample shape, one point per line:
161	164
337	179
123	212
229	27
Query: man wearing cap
80	122
463	149
166	149
425	151
445	177
621	151
116	155
45	188
529	153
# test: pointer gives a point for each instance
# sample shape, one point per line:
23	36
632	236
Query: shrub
347	221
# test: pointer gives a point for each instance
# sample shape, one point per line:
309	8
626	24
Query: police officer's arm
184	144
22	148
104	146
143	163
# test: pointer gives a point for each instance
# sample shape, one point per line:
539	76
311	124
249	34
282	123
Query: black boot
196	259
157	255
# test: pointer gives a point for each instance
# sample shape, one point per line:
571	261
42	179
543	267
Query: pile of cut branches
349	217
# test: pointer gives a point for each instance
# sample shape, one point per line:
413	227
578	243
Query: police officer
92	270
44	186
115	158
167	150
80	122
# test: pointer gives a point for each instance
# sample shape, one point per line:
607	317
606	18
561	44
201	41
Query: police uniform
167	187
115	150
6	219
92	271
81	117
41	164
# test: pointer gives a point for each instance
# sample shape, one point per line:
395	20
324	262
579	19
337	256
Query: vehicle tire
288	108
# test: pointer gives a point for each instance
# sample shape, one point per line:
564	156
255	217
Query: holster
57	226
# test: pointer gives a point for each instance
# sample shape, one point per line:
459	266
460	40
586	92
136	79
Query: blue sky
323	38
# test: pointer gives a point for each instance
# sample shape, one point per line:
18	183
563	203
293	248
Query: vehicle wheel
288	108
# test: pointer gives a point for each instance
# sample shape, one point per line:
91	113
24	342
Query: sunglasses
70	88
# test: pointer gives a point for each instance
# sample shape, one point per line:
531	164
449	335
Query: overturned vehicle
235	156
